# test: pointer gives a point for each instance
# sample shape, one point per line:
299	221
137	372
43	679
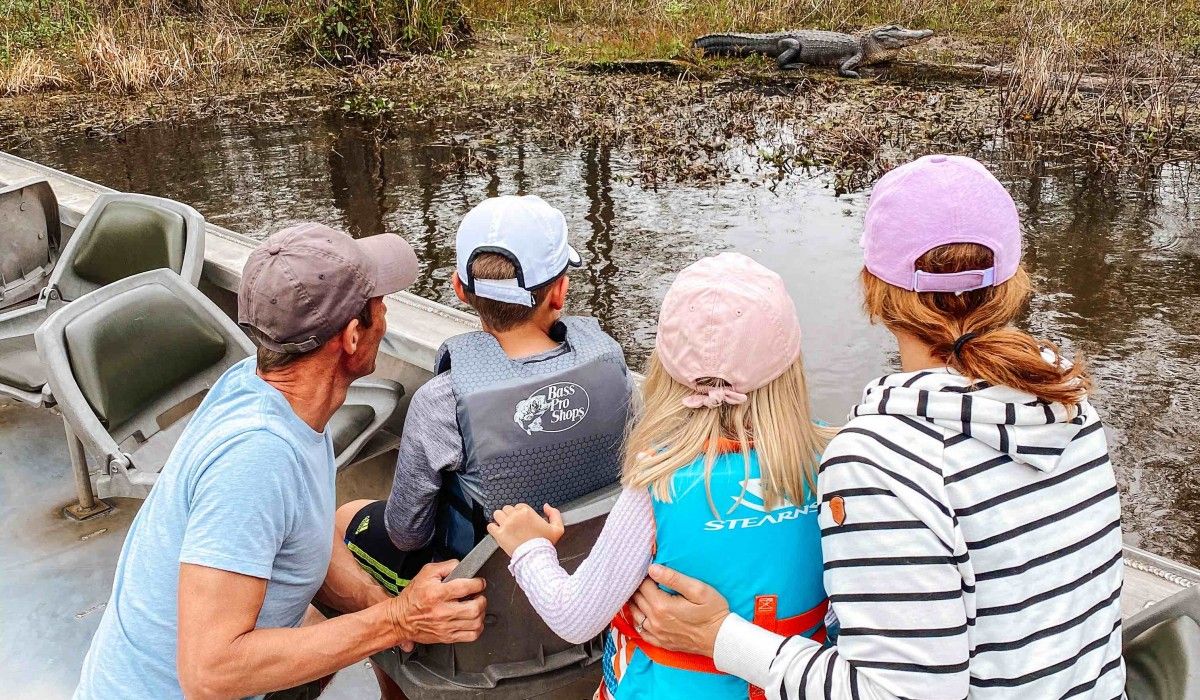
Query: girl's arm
579	606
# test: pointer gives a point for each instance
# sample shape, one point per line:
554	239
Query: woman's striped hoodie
972	546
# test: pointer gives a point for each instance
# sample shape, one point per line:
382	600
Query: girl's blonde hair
775	420
999	354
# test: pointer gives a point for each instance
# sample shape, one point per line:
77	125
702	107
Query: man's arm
221	654
892	580
429	445
241	509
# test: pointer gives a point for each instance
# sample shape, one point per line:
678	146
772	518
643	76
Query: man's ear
458	288
558	293
351	336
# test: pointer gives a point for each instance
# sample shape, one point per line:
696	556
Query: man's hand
431	610
686	622
516	525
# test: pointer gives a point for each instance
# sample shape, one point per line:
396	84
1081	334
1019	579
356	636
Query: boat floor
57	573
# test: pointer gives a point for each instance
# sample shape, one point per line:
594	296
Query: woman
970	518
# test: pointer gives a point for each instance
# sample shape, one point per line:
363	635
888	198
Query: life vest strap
766	608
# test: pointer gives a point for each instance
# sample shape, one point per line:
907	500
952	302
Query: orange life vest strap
765	616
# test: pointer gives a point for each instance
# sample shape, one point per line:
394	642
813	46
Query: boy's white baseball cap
526	230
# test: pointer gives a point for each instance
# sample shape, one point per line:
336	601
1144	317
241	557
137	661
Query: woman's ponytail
972	332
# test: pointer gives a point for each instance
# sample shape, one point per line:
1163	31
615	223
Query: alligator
793	50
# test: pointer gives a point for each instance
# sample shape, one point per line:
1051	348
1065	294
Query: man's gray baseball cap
301	286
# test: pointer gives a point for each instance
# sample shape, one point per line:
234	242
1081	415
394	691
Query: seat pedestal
88	506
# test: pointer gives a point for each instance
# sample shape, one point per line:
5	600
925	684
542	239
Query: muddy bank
726	121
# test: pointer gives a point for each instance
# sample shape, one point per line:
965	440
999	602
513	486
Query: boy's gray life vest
548	431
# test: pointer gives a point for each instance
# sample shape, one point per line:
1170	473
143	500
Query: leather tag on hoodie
837	508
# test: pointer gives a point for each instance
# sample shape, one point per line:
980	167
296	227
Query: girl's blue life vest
767	565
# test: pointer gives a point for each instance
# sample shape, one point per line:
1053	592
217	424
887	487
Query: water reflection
1116	255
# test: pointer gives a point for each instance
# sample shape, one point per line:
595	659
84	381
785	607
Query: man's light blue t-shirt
249	488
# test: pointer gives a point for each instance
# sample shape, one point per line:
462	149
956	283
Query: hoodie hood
1026	428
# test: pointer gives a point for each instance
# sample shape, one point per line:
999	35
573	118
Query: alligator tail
731	44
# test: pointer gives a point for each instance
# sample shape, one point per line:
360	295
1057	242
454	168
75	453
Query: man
212	588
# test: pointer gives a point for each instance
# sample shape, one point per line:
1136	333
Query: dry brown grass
1047	66
600	29
132	56
30	72
1149	101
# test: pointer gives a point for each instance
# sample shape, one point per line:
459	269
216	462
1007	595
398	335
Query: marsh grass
118	46
30	72
1149	102
351	31
131	55
1047	66
602	29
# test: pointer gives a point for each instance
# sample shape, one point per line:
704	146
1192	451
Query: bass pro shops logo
553	408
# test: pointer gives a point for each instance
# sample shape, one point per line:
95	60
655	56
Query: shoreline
683	121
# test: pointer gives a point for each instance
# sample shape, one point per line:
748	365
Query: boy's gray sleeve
430	445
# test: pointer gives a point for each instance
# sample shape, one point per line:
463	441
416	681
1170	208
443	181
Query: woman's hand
686	622
516	525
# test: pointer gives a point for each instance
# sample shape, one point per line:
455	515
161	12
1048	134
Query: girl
719	480
972	529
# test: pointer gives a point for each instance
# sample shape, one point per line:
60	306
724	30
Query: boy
532	409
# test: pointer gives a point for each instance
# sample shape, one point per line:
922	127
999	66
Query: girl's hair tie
713	397
962	340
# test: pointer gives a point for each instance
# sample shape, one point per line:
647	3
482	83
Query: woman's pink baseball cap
934	201
727	317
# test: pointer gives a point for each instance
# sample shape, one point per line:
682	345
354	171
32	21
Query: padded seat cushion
22	370
1163	663
128	238
348	423
136	347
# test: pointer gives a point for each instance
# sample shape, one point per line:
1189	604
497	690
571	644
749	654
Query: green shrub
346	31
41	24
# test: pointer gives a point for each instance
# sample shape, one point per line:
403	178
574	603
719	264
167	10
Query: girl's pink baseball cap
727	317
934	201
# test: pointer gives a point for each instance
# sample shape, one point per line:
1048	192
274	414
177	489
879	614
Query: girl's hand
516	525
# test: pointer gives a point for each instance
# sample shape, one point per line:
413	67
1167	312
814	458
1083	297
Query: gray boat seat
130	362
1162	650
121	235
23	370
517	656
30	238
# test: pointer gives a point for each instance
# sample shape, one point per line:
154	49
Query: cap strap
292	348
965	281
508	291
713	397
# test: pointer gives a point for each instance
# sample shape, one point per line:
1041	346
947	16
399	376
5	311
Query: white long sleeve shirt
972	545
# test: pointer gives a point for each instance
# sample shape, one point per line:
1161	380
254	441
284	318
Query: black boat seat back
130	362
128	238
350	421
515	643
30	238
1163	663
129	350
1162	649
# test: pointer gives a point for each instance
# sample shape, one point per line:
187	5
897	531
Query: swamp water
1115	256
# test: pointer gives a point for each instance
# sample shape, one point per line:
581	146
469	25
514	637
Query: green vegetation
348	31
1119	74
126	46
